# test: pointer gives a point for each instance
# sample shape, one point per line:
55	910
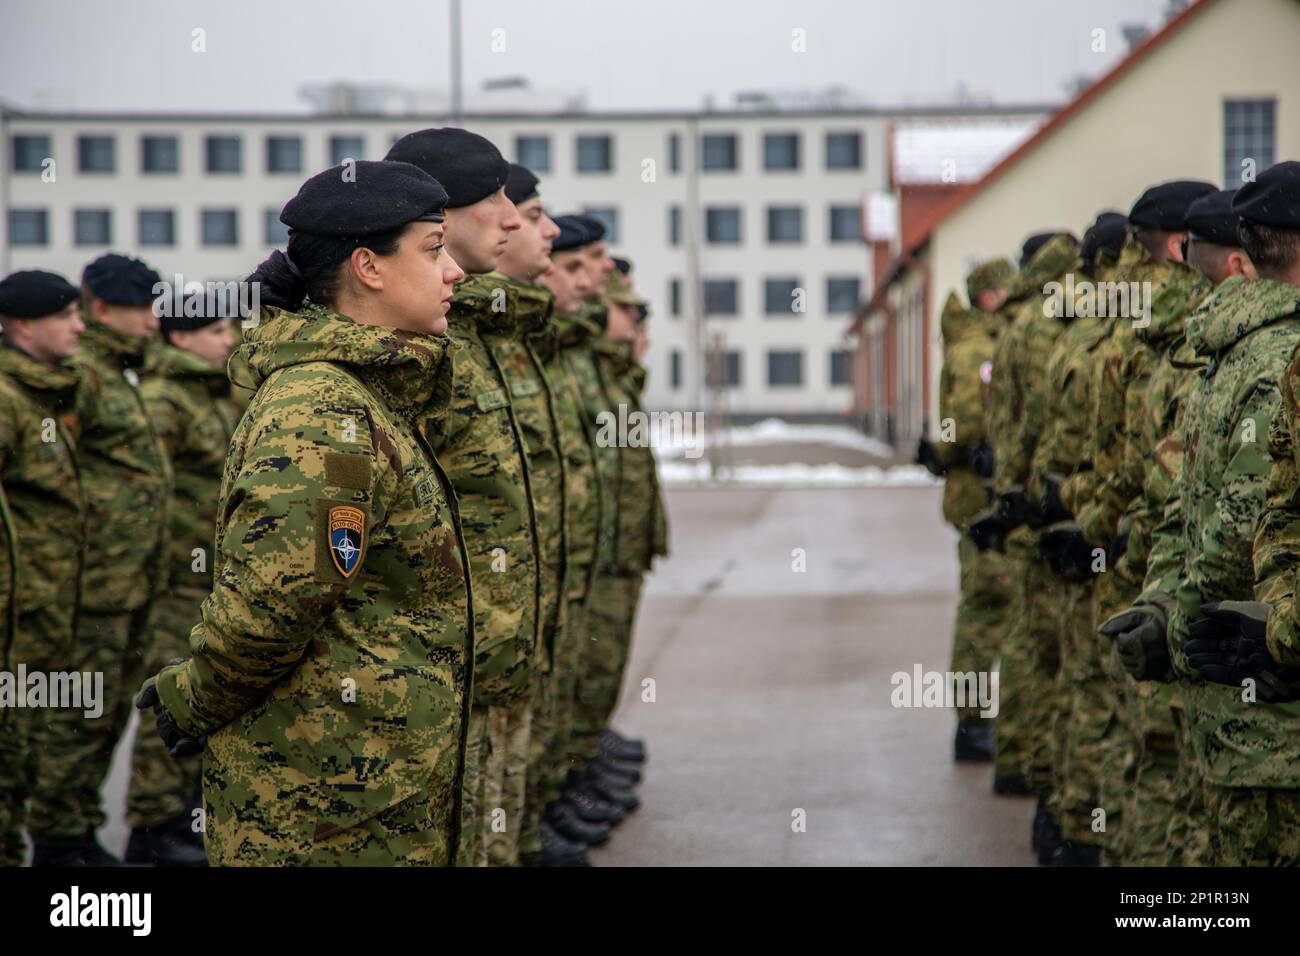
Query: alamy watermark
195	299
923	688
1087	299
638	429
77	690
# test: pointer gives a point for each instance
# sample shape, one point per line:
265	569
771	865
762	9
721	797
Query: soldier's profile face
478	234
54	337
528	250
621	325
566	280
419	279
212	343
136	321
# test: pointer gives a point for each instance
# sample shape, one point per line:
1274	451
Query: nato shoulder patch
524	387
347	536
487	401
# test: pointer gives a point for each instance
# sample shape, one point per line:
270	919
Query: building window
674	152
1249	133
675	297
284	154
608	215
780	151
92	227
96	154
274	233
722	224
842	294
720	151
675	368
157	227
595	154
721	297
784	224
224	154
29	227
843	150
30	152
160	154
779	297
846	224
784	368
219	227
674	225
723	369
841	367
533	153
346	147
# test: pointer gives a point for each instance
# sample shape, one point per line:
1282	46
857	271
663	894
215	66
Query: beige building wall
1162	120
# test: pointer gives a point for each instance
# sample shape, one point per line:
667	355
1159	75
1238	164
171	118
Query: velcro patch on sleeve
488	401
347	471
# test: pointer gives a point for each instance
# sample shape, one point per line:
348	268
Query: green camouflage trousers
981	613
493	786
1083	714
162	787
1190	820
1114	591
1254	826
1011	748
1151	803
1030	660
611	617
44	767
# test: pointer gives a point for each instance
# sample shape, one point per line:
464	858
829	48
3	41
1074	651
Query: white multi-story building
744	227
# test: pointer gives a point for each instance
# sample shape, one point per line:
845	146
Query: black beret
521	184
1273	199
624	266
595	228
380	197
572	234
1211	219
1108	232
33	294
198	310
1032	245
121	280
468	165
1164	206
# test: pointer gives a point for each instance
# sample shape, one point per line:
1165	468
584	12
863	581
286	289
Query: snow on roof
955	152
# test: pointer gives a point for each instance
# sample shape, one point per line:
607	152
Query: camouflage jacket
561	344
1247	331
124	473
331	665
530	397
482	447
39	470
8	588
969	340
194	417
1063	448
1129	354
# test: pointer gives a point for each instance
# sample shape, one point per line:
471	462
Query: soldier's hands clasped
1229	646
928	457
178	743
1139	635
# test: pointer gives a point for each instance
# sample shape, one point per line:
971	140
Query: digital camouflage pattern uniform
562	344
334	694
530	307
1244	752
969	339
1123	440
127	482
1030	654
481	445
12	749
194	417
38	468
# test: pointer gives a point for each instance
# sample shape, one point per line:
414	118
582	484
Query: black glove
1118	545
987	530
1049	502
929	458
178	743
1228	645
1013	507
1139	635
1066	551
981	459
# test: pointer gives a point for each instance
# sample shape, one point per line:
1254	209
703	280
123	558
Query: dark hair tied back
310	267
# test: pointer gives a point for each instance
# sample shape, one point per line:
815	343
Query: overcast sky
135	55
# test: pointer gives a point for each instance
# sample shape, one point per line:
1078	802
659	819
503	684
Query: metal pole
456	94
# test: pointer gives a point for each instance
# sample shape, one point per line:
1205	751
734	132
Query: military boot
613	744
1049	833
86	853
626	767
974	740
168	844
598	773
557	851
1013	785
624	798
1075	854
592	807
563	816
